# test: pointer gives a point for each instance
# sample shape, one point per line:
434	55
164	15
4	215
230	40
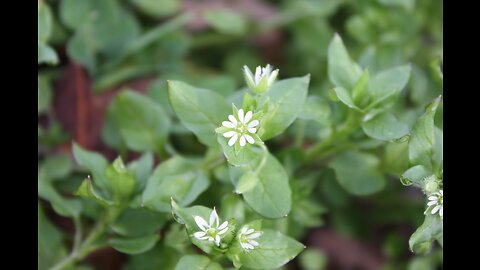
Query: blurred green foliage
370	119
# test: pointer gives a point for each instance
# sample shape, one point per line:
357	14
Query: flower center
212	232
241	128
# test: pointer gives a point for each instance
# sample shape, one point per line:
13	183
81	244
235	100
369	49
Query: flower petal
248	74
433	198
254	123
210	239
223	231
241	115
243	230
228	124
249	139
248	116
201	223
430	203
247	246
242	140
224	225
435	209
252	130
441	212
232	119
243	245
217	240
213	218
232	140
229	134
254	235
258	74
249	231
272	77
200	235
253	243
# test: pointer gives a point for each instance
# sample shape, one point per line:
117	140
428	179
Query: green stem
351	124
86	247
78	233
264	158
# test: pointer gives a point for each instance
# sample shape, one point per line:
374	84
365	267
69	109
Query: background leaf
178	178
197	262
142	123
385	127
358	173
342	70
134	245
287	98
200	110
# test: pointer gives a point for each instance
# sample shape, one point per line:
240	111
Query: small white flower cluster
435	203
240	128
212	232
246	238
263	79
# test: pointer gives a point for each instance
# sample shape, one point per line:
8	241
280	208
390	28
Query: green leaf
358	173
142	169
120	182
138	222
142	123
385	127
343	95
159	257
271	196
431	229
44	94
94	162
46	54
74	13
62	206
316	108
274	250
422	139
247	155
226	21
178	178
286	100
52	169
199	110
415	175
82	49
50	242
44	22
247	182
197	262
388	84
342	70
157	9
134	245
360	90
56	167
437	152
87	191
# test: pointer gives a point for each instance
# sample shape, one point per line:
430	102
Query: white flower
246	236
210	231
240	128
263	79
435	203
